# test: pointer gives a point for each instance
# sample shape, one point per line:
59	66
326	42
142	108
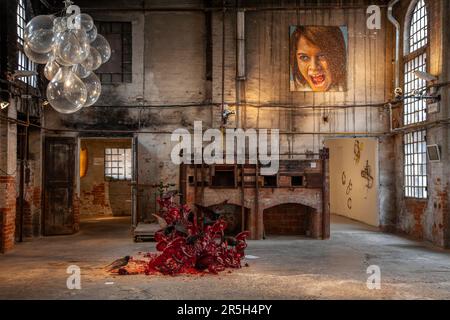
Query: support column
8	156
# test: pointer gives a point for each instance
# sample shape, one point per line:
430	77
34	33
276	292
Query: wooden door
59	181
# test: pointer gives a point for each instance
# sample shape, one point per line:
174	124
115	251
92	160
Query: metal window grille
118	68
414	109
418	28
415	168
416	60
118	164
23	63
21	22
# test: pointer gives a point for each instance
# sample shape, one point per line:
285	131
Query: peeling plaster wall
32	187
154	165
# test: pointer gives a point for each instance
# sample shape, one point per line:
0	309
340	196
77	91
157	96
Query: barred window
118	164
118	68
415	164
418	30
21	22
415	60
23	63
415	109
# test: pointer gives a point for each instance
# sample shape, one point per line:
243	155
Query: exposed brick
7	212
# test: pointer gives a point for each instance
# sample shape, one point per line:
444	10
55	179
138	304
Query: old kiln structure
292	202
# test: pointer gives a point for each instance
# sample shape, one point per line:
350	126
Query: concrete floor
288	268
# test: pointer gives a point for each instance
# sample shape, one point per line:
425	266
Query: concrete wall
32	213
354	200
100	196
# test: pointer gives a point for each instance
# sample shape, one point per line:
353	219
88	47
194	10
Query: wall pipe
229	8
334	133
249	104
397	53
397	41
106	131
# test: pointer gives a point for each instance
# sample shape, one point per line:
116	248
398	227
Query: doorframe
376	169
44	173
134	184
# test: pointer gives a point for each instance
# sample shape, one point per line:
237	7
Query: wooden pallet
145	231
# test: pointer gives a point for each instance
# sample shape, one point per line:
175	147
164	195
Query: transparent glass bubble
72	46
51	69
66	93
85	20
41	58
39	33
93	61
80	71
58	58
102	46
92	34
59	24
94	89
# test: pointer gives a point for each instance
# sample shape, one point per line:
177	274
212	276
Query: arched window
23	63
416	40
414	111
418	27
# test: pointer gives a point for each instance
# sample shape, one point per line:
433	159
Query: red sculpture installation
189	244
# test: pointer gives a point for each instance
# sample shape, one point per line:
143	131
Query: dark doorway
288	219
59	182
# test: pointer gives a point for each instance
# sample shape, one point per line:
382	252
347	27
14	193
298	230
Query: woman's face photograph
313	65
318	58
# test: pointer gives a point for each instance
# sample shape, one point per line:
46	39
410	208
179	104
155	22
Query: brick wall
76	212
287	219
7	211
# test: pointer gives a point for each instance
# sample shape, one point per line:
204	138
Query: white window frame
415	153
416	38
23	63
118	164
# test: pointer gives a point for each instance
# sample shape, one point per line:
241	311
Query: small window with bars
118	164
23	63
415	168
118	68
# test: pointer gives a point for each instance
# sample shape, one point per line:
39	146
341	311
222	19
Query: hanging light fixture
71	49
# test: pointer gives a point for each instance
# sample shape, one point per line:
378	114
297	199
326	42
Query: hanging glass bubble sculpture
71	49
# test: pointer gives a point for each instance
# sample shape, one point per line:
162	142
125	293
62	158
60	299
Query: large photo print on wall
318	58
